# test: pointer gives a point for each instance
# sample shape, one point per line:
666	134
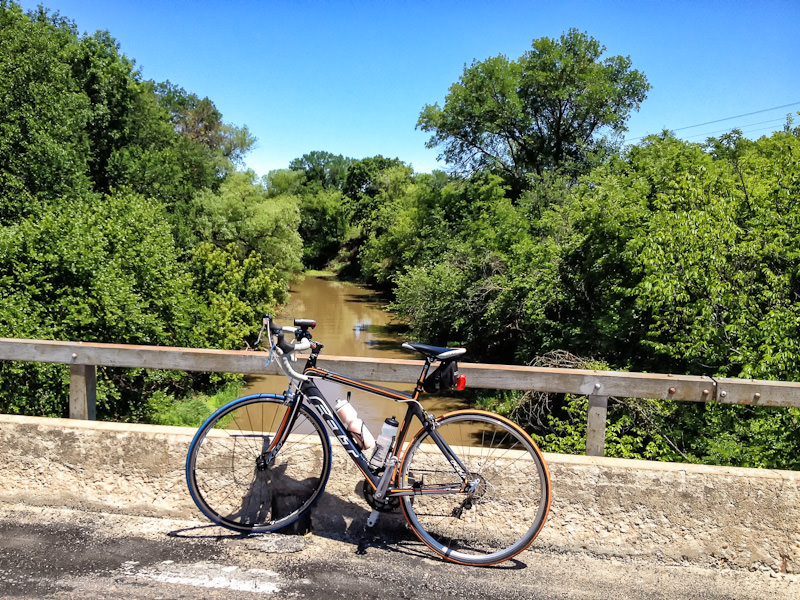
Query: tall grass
192	412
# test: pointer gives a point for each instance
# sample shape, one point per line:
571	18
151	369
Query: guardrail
598	386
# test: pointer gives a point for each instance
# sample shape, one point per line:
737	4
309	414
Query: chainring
385	505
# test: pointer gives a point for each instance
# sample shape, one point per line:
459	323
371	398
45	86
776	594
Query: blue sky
351	77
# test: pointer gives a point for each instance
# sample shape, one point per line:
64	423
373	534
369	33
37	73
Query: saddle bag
443	378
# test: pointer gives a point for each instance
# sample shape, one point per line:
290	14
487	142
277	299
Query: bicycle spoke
503	512
233	482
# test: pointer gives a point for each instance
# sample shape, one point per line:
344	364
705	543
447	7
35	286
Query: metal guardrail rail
84	357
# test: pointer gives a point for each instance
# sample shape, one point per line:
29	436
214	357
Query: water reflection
351	321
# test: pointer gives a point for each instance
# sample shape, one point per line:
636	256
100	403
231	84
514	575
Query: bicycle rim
509	499
233	482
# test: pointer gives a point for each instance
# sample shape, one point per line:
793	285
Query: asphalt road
48	552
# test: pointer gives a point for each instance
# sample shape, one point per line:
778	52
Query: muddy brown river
351	321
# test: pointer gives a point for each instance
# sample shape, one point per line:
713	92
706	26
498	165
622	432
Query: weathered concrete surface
673	514
72	554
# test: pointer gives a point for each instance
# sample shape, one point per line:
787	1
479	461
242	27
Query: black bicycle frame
309	392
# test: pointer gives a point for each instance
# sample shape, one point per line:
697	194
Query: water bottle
361	435
384	443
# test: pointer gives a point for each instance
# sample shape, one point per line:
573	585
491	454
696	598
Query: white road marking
210	575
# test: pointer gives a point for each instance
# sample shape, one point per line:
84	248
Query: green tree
235	291
172	152
43	114
106	184
731	307
323	170
109	82
364	182
92	269
284	181
243	214
676	260
447	250
543	111
318	179
385	236
324	226
199	120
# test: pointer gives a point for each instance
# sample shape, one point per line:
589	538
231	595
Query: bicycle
472	485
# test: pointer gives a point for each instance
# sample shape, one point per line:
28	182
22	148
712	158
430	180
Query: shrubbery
112	191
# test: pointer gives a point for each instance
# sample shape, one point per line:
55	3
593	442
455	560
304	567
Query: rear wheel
238	484
501	507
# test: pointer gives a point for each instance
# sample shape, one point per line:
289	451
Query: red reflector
461	382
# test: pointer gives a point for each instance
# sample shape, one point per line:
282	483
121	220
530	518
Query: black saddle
437	352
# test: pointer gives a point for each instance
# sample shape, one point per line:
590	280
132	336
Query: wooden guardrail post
596	425
83	392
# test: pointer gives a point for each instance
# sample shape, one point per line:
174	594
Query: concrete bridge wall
670	513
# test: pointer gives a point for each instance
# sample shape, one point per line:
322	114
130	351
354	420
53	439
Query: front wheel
497	510
237	482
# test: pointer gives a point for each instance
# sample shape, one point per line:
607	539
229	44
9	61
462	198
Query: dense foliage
670	257
539	112
664	257
123	218
112	196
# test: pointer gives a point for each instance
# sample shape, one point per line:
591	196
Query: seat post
425	368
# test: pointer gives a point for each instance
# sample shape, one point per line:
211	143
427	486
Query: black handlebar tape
284	345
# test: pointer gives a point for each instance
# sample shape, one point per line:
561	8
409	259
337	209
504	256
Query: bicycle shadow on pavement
331	517
337	519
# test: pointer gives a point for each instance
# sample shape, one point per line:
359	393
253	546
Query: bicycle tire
233	489
510	502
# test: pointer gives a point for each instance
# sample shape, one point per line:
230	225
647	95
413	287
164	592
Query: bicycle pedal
373	518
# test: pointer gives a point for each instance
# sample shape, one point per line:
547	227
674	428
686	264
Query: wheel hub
262	463
478	490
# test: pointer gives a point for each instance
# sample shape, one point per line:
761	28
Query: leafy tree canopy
241	213
44	146
323	170
199	120
540	112
108	187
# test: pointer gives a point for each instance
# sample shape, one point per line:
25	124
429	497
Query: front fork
271	447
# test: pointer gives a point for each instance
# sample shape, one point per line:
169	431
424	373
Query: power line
748	127
755	112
